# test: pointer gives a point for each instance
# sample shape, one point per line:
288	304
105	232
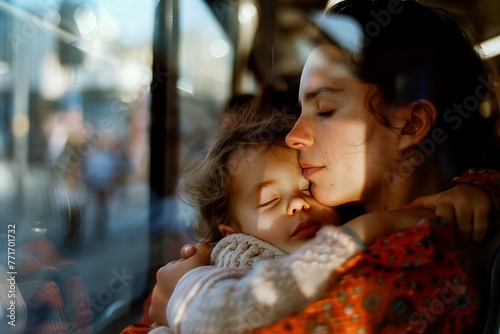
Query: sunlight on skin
345	151
271	199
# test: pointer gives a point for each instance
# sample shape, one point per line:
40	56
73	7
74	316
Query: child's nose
298	204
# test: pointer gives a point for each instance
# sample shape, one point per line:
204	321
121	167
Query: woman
380	127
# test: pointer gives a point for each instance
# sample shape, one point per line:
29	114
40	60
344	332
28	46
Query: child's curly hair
206	186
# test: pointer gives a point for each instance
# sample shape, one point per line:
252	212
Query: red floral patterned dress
408	282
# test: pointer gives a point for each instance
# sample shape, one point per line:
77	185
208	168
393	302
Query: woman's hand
466	204
192	256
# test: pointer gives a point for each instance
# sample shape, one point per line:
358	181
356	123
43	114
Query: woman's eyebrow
311	94
255	190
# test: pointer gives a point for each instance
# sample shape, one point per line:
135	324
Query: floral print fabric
408	282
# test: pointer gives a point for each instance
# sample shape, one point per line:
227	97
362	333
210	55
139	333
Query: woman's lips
310	171
307	229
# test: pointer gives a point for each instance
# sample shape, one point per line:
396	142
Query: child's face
271	199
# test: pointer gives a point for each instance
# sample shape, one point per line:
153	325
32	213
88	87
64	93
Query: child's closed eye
269	203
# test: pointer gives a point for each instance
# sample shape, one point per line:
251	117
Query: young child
254	201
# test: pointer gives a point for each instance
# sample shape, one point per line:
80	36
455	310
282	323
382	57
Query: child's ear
417	119
226	230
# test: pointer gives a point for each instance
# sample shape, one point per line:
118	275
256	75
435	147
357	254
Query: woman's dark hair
411	52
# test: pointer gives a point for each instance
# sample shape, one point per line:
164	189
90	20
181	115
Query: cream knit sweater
252	284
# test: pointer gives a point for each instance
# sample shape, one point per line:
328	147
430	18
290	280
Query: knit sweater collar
242	251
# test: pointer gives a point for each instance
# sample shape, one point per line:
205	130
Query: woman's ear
226	230
418	118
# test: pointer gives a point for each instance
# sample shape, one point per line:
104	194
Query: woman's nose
299	137
297	205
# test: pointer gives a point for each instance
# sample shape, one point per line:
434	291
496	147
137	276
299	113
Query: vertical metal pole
164	131
267	31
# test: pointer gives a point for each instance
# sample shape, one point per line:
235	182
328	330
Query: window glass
206	57
74	152
205	67
74	159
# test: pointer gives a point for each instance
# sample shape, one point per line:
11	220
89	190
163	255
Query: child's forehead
264	164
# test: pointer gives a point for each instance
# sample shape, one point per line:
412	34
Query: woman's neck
398	189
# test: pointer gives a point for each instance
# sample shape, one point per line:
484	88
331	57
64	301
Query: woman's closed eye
325	113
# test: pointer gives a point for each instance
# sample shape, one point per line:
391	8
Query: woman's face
344	151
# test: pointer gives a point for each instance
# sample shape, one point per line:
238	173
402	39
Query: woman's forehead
326	66
324	55
328	54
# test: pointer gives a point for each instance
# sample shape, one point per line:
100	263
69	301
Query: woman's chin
323	196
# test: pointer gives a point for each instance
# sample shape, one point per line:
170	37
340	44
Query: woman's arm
371	226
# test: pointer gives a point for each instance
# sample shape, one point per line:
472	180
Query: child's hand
466	205
168	276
